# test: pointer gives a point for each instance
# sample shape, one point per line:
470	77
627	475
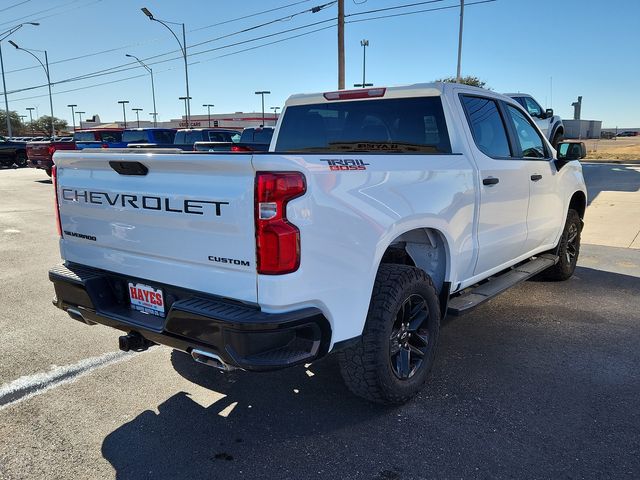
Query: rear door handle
536	177
490	181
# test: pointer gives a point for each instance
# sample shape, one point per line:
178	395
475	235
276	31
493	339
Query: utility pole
124	113
263	93
137	110
31	109
208	105
275	114
458	75
73	115
340	44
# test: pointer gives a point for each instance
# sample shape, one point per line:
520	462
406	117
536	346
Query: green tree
43	124
17	127
468	80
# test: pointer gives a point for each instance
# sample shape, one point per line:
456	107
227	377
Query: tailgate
188	222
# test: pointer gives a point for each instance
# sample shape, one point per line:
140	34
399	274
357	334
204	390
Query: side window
532	107
531	143
487	126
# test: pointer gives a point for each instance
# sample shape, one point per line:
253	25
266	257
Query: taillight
54	180
104	145
277	240
353	94
51	149
240	148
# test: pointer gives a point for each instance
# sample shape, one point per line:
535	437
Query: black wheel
48	171
392	360
557	138
21	159
568	249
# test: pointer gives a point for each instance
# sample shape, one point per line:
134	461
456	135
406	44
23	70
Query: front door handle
490	181
536	177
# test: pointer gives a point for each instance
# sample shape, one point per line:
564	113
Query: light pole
186	109
364	44
262	93
80	116
45	66
4	35
73	115
275	114
153	88
137	110
31	109
183	47
209	106
124	113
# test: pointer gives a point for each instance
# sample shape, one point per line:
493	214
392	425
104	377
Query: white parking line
29	386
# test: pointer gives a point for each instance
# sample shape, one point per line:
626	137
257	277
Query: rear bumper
39	163
242	336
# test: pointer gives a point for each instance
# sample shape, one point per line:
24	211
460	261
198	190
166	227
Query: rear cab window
403	125
487	126
84	137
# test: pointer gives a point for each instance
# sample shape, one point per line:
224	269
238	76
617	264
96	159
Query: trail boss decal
146	202
345	164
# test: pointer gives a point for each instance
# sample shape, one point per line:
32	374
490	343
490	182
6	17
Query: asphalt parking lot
542	382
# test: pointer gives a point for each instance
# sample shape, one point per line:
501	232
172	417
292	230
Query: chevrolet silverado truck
373	214
40	153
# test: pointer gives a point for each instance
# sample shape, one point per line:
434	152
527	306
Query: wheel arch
578	203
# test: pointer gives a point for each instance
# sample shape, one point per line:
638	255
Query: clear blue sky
589	47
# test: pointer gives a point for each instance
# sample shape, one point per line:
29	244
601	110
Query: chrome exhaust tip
211	359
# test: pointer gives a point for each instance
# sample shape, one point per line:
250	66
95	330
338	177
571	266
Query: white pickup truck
373	214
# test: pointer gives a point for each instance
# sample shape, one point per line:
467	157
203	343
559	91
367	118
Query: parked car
12	152
376	212
219	139
99	138
40	153
628	133
160	137
550	124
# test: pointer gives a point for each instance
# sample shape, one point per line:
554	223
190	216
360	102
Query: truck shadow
610	177
498	393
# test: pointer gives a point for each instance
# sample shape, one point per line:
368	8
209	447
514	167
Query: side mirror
548	113
568	151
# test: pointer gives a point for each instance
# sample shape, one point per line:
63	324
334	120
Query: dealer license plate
146	299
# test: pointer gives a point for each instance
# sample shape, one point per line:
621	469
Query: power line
138	44
393	8
417	11
31	15
14	5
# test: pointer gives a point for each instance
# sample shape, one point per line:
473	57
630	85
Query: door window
531	142
486	126
532	107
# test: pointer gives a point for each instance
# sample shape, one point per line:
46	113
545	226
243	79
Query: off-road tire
366	367
557	138
568	249
21	159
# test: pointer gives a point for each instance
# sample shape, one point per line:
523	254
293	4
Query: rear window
84	137
135	136
224	137
405	125
257	135
110	137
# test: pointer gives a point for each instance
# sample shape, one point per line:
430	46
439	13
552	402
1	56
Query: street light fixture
275	114
186	109
31	109
45	66
80	116
183	48
137	110
262	93
73	115
124	113
4	35
364	44
155	118
209	106
153	89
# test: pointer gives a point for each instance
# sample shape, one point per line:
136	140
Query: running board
473	297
